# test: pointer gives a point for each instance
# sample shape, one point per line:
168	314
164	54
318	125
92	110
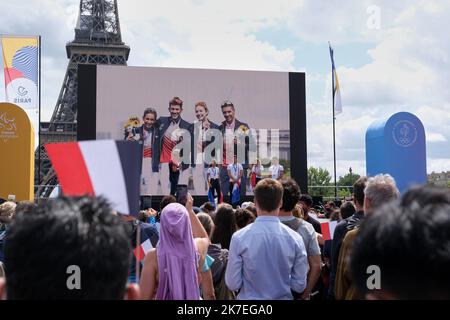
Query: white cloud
407	73
435	137
205	34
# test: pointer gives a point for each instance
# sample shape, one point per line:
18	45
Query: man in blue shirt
267	260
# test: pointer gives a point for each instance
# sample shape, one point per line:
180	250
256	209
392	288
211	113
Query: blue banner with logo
397	146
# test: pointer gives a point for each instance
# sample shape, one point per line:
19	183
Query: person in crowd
209	208
250	206
335	216
298	211
412	248
307	203
327	244
276	169
225	225
330	207
347	209
81	235
347	224
235	175
267	260
232	129
244	217
379	190
148	215
165	201
202	136
25	207
171	131
148	231
213	178
291	196
148	135
7	212
220	257
256	173
172	270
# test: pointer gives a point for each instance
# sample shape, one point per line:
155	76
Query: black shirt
314	222
340	231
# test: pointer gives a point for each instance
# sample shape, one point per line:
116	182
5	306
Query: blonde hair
7	210
298	211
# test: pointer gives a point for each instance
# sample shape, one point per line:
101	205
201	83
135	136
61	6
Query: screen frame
87	112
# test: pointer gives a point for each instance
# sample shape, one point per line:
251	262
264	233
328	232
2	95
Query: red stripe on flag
147	152
68	163
325	227
139	253
166	154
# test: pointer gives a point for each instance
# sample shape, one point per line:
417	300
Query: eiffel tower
98	40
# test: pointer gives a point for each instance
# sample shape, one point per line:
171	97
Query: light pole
351	178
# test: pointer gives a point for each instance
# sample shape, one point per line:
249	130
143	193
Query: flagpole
138	244
39	120
334	129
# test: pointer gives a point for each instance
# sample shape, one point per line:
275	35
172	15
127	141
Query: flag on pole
211	197
21	68
336	86
141	251
328	229
105	168
236	194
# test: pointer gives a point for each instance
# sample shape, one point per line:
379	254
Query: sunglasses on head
227	104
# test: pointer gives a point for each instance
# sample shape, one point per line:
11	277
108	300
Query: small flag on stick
328	229
141	251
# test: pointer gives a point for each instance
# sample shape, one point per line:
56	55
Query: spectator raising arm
197	228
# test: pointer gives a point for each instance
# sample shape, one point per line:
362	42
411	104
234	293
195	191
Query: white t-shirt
235	170
213	173
275	171
258	170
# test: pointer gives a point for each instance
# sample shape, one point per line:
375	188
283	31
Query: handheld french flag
328	229
236	194
142	250
105	168
211	197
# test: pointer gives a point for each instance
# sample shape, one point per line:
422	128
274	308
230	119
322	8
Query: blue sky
390	56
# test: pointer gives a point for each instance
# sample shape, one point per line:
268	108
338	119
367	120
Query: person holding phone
182	193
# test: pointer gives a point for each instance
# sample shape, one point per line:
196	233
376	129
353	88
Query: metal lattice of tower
97	40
